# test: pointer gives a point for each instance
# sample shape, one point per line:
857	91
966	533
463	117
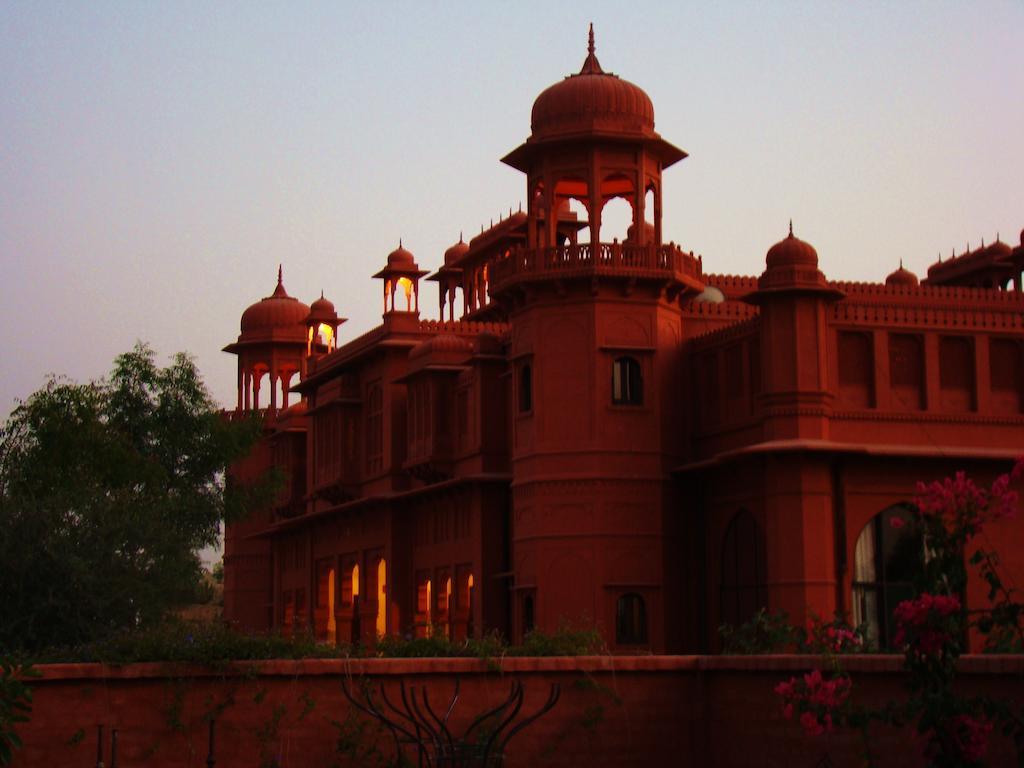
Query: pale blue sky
157	161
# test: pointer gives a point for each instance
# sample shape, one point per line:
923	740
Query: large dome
593	101
278	315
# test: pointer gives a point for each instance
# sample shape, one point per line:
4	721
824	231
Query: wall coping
994	664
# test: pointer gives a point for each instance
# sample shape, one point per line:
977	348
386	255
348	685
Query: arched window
885	562
743	570
356	635
525	389
332	622
627	382
630	620
382	597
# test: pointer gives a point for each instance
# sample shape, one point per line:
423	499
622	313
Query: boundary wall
614	711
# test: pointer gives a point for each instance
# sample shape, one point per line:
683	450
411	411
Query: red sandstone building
607	433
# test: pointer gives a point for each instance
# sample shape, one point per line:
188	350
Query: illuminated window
630	620
424	595
406	285
444	604
627	382
525	389
886	560
382	600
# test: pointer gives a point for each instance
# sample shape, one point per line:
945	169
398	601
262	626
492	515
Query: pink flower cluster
816	698
958	499
971	736
840	639
923	623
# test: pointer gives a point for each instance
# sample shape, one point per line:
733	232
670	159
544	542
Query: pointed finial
997	237
460	235
940	257
520	206
901	263
399	242
983	242
591	66
279	291
321	293
790	227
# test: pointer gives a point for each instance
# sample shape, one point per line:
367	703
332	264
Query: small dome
278	314
592	101
792	252
902	277
710	295
456	252
401	258
322	310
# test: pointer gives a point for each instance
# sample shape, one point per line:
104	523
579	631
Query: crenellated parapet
472	327
930	306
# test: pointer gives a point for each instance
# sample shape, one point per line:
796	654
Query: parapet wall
614	711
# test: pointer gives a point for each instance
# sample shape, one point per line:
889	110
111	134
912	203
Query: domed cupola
592	101
271	349
275	317
902	277
401	273
322	326
791	266
449	278
456	252
592	104
791	252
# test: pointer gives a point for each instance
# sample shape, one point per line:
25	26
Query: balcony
667	263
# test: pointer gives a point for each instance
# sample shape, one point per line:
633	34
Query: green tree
107	491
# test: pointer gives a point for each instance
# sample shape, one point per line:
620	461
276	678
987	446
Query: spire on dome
790	227
279	291
591	66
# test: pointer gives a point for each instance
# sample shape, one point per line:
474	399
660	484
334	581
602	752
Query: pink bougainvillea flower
811	725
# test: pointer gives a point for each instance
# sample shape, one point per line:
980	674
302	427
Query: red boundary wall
614	711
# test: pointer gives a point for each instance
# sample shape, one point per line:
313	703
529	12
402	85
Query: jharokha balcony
662	263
